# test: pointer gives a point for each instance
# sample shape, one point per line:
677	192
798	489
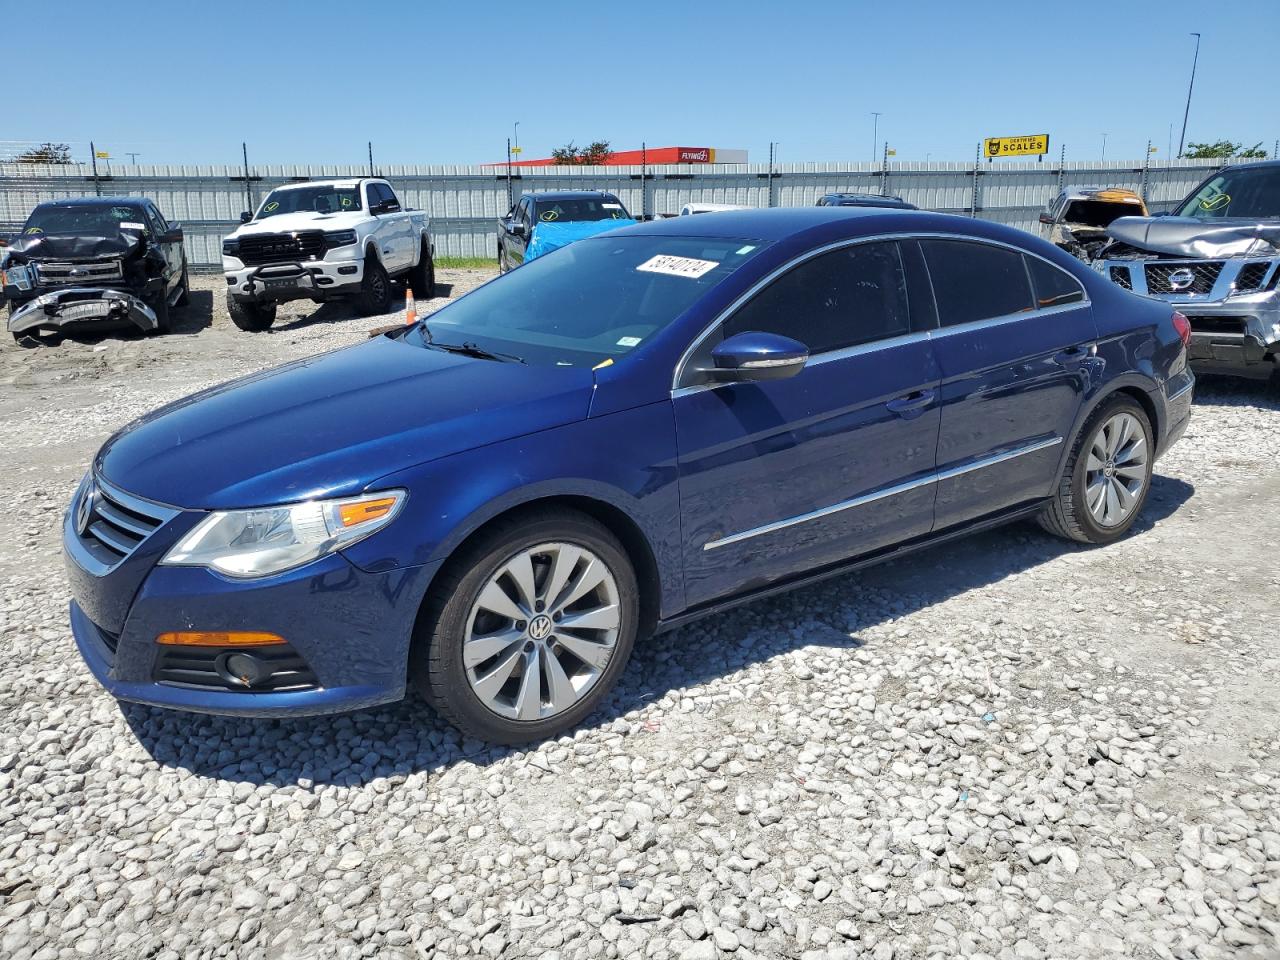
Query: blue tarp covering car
548	236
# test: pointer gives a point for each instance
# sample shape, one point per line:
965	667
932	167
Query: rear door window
976	281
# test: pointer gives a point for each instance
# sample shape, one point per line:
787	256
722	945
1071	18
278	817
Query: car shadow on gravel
393	742
341	311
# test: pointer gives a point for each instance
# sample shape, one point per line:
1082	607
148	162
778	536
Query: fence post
769	181
884	171
644	191
93	159
1062	167
1146	164
248	196
973	194
371	173
510	199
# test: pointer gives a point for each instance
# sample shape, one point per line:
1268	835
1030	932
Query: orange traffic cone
410	308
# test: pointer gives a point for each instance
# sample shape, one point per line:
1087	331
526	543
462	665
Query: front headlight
269	540
339	238
231	248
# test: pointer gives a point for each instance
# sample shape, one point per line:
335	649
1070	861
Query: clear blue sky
185	82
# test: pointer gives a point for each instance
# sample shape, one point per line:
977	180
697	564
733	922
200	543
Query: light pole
875	132
1190	86
133	157
515	135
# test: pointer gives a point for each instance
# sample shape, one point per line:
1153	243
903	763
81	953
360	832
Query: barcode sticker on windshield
678	266
612	206
126	225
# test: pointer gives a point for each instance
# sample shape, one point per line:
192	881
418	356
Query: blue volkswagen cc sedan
631	432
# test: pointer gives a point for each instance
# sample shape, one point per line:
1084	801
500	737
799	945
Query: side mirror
1046	219
517	228
386	206
245	216
174	235
752	356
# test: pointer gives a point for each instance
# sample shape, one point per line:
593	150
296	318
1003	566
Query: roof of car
570	194
779	223
89	201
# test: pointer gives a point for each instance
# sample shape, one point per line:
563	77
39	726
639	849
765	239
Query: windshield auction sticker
686	267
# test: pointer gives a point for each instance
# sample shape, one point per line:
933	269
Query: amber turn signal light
352	514
219	638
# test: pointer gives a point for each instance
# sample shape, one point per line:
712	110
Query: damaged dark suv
94	263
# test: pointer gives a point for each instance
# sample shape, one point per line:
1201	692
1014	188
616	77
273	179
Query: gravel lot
1005	747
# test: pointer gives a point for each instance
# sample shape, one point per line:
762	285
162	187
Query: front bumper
281	282
349	627
80	307
1230	333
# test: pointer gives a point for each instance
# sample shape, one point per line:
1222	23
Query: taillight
1183	326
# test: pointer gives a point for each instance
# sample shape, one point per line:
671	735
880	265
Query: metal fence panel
465	202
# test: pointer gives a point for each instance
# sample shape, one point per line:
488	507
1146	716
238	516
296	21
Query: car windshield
1249	194
85	220
321	198
580	208
1098	213
591	301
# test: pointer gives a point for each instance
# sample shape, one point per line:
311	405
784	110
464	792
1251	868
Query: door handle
1073	355
912	404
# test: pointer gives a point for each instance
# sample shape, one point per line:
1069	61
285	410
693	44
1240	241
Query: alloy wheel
542	631
1116	469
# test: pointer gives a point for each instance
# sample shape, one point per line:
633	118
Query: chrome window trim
872	345
936	477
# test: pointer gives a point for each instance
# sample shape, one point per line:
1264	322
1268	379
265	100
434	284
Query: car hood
40	247
330	425
1189	237
303	220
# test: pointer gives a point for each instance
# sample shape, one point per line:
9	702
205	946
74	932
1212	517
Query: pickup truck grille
1252	274
282	248
1204	275
78	274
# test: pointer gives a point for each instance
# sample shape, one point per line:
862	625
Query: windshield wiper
471	349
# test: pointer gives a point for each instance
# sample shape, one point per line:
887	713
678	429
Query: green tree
594	154
46	153
1223	150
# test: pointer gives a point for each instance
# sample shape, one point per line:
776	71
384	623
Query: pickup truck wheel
161	308
375	292
1107	477
502	260
528	627
422	278
251	317
184	295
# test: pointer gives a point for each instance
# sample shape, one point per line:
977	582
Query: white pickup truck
322	240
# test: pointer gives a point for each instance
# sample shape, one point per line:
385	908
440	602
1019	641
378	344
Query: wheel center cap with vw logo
540	627
1181	279
84	509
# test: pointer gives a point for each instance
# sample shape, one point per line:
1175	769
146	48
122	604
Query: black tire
422	278
502	260
160	305
374	298
1068	515
251	317
184	289
436	665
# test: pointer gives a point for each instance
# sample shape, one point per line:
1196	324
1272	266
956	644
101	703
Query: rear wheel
422	278
502	260
249	316
1107	477
528	628
375	290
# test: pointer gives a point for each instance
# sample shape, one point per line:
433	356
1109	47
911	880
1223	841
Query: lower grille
78	274
207	668
1122	277
1166	277
282	248
1213	324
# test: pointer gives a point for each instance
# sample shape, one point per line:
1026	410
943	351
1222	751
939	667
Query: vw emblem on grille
1180	280
540	627
84	509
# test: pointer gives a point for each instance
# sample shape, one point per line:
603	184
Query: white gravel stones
1002	748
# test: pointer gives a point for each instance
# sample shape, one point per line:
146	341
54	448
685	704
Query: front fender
626	461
